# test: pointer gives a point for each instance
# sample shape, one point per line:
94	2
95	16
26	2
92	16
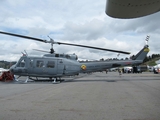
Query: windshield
21	63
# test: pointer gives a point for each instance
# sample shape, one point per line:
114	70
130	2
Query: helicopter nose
12	69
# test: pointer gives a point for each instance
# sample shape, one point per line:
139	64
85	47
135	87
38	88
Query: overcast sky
73	21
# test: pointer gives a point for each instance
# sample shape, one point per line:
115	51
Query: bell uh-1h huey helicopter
54	65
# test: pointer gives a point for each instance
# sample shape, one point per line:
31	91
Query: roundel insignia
83	67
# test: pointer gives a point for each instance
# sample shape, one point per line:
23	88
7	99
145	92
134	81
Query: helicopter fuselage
54	67
45	67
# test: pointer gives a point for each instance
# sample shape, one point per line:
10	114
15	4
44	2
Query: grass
152	62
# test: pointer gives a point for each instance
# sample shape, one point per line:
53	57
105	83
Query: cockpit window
67	56
40	63
21	63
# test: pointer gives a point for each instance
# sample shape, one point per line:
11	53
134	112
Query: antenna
147	39
23	54
26	52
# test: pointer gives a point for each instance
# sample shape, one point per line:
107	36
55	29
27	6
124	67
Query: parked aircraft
131	8
56	65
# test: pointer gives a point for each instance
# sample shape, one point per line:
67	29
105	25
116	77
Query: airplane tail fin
141	54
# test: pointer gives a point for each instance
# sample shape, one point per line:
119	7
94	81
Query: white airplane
131	8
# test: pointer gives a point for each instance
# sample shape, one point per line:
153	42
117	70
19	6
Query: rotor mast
52	42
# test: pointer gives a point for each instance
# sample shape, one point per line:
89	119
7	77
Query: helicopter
54	65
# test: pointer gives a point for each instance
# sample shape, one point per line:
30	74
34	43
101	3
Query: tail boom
103	65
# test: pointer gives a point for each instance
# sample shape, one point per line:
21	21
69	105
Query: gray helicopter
54	65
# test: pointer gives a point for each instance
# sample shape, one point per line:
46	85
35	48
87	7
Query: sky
78	22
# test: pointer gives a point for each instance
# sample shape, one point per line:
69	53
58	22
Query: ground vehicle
150	69
156	69
127	69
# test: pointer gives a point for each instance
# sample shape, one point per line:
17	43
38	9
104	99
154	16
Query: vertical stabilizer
142	54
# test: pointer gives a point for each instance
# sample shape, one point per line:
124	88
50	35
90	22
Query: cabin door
44	68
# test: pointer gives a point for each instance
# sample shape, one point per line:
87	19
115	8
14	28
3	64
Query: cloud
89	30
79	22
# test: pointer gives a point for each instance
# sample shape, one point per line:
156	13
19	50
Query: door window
40	63
51	64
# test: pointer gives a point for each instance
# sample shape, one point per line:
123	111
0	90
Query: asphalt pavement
96	96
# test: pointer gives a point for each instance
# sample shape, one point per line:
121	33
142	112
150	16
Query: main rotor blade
41	50
52	42
117	51
23	36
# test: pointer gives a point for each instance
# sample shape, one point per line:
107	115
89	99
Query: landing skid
36	79
57	81
16	78
26	80
53	80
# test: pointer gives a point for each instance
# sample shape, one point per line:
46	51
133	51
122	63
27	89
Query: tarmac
96	96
